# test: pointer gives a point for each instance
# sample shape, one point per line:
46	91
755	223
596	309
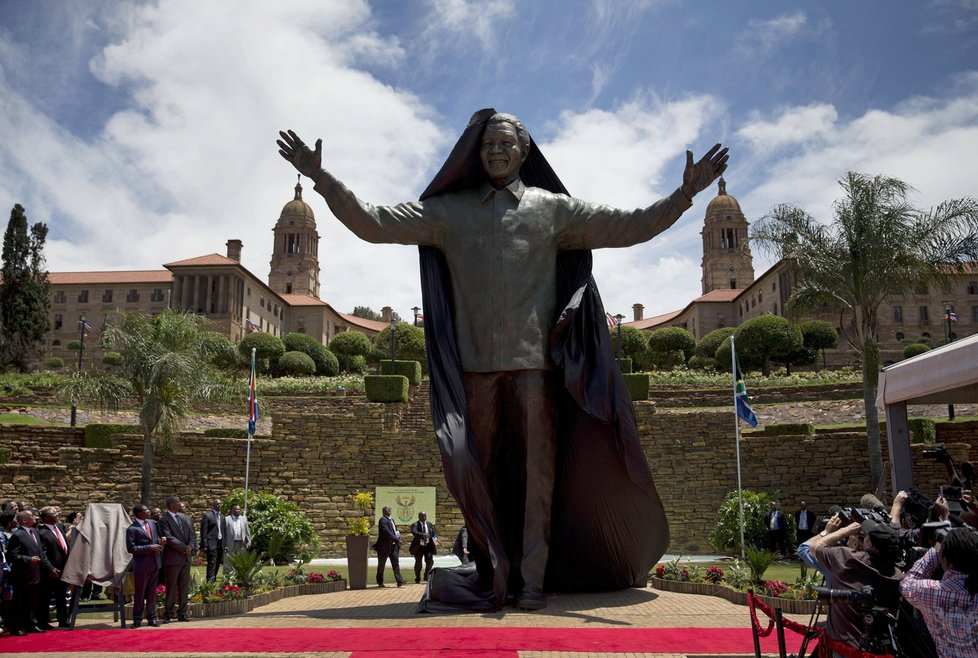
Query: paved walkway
393	607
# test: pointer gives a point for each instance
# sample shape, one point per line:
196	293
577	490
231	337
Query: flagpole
252	393
740	494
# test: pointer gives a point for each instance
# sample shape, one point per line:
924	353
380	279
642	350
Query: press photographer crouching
859	556
949	605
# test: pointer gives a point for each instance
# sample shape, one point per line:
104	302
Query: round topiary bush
707	347
326	362
112	359
54	362
74	345
347	346
914	349
296	363
267	348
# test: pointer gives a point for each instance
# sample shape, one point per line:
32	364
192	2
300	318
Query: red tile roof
720	295
302	300
209	259
654	321
372	325
115	277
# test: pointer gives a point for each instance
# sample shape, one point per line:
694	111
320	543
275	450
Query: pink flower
315	577
714	574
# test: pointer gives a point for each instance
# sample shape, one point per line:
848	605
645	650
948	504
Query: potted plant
358	539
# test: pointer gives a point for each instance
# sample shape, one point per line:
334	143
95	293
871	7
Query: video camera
860	514
938	454
864	597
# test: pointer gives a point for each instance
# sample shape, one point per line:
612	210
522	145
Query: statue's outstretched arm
306	161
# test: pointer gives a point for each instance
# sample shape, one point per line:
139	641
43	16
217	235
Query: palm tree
168	365
878	244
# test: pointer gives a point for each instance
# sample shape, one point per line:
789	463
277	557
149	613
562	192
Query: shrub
327	365
357	364
668	360
625	365
819	335
790	429
726	535
74	345
5	454
99	435
296	363
244	567
222	352
267	348
279	529
410	344
768	338
701	363
923	430
112	359
914	349
226	432
634	344
348	345
363	501
707	347
386	388
54	362
671	340
758	561
638	386
409	369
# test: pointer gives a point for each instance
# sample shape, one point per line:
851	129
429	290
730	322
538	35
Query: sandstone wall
322	449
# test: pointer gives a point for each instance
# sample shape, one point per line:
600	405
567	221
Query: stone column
196	294
177	290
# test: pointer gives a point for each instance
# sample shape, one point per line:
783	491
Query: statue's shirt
501	247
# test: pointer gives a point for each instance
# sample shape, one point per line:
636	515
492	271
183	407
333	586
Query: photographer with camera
949	605
868	561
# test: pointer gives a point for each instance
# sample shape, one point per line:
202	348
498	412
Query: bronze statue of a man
535	428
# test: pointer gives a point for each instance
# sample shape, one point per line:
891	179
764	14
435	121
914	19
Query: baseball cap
885	539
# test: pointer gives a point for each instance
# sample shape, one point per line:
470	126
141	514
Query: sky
144	133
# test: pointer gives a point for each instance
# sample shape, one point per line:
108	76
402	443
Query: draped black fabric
608	526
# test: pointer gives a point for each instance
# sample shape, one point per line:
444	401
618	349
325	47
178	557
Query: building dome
297	208
722	203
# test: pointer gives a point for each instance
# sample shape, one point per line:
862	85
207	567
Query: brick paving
392	607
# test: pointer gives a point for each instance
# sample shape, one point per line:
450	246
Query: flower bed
791	606
237	604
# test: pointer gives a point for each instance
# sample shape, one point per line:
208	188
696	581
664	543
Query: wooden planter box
790	606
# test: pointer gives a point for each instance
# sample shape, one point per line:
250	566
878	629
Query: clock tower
295	254
727	261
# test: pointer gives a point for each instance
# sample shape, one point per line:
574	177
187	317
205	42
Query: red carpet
402	642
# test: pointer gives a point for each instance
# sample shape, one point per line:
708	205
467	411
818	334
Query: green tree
296	363
279	529
634	345
819	335
24	304
707	347
726	533
671	346
368	313
268	348
768	338
167	366
347	346
877	244
410	344
325	361
914	349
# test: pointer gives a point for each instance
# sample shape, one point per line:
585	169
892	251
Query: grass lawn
19	419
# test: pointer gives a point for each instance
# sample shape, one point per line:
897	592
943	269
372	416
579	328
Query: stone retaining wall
322	449
714	397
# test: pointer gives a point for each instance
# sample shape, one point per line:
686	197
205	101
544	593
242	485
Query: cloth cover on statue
98	553
608	526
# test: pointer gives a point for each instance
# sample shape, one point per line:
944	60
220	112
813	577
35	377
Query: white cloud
794	125
763	37
455	20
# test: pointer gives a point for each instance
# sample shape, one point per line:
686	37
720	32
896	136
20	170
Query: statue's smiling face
501	153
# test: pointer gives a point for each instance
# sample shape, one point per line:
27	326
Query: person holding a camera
870	563
949	605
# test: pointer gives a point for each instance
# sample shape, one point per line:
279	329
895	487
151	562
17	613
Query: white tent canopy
946	375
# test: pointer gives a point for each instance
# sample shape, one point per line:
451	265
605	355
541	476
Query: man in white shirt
238	537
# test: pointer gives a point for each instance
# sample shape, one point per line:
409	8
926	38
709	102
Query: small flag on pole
741	399
952	316
251	325
86	327
252	400
612	320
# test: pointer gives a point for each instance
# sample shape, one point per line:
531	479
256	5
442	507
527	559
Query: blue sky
144	132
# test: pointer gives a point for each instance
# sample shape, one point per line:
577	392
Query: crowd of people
902	581
35	546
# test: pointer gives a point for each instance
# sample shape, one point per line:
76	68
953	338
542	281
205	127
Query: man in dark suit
461	547
54	542
804	523
27	562
388	546
213	530
424	543
143	541
775	529
181	543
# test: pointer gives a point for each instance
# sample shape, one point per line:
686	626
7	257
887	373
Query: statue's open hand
306	161
701	175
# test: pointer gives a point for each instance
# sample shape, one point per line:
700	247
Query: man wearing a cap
872	564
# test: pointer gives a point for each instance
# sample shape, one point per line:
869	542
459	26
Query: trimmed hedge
625	363
790	429
922	430
409	369
112	359
386	388
638	385
54	362
99	435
